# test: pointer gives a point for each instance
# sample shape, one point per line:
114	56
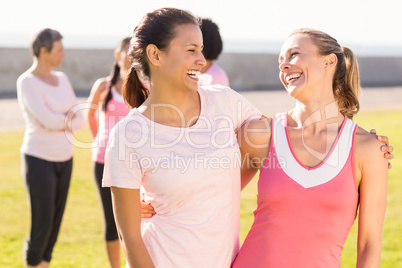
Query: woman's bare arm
372	169
127	213
93	100
253	138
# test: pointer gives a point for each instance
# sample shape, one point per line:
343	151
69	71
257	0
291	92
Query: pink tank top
116	110
304	214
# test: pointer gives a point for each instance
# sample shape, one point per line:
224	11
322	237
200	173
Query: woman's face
55	56
181	62
123	60
300	65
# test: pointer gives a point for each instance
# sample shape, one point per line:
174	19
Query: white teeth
292	76
193	73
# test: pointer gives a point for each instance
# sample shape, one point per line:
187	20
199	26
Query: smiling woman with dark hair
178	144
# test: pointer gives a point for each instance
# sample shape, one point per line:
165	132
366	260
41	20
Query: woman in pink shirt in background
106	99
47	101
212	74
317	167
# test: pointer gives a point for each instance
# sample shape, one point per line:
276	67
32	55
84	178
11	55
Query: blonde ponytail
347	93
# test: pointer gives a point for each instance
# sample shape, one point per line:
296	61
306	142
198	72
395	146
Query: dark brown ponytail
107	96
134	91
114	74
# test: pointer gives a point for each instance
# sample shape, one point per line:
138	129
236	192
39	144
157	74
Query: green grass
80	242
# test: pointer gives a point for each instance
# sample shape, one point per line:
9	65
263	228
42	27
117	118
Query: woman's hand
387	149
147	210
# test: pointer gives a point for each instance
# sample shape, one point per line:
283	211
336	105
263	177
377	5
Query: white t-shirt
44	108
190	175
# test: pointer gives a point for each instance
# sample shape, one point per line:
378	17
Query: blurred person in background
212	73
47	99
106	98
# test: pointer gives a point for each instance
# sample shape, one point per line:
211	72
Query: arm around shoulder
372	169
254	139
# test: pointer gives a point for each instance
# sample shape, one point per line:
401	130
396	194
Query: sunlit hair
157	28
346	81
212	39
45	38
115	73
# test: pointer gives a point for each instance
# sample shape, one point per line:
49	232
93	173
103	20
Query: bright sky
362	22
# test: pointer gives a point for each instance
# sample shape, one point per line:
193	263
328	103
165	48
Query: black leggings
47	186
110	230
